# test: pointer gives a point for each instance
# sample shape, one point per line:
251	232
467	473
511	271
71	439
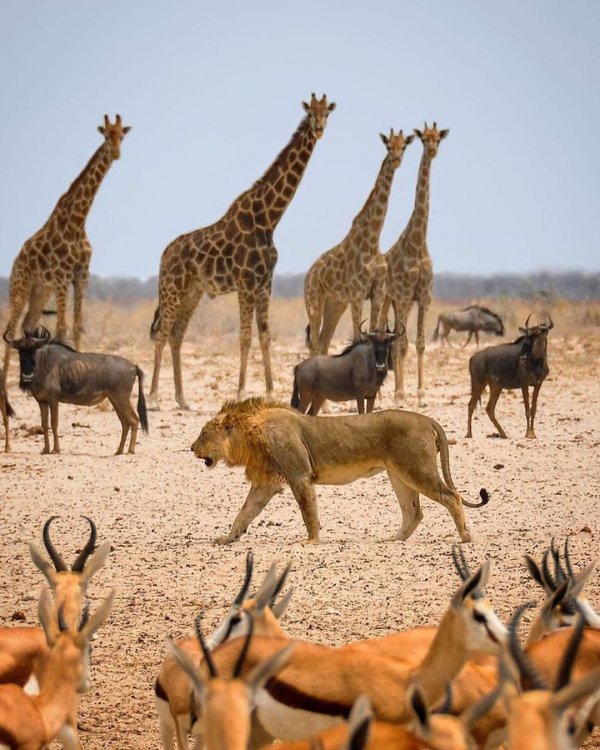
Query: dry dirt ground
161	509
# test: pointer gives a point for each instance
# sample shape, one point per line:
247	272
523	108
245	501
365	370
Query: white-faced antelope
33	722
173	689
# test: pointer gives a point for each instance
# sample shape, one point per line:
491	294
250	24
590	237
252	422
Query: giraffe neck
372	215
417	224
73	207
276	188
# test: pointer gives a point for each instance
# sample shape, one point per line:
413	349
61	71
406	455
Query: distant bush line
573	285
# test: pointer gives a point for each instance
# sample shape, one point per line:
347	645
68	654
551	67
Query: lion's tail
442	443
296	393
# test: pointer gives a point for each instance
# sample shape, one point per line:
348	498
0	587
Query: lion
279	446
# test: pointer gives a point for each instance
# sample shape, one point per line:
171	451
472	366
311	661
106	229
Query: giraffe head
396	144
430	138
114	134
318	111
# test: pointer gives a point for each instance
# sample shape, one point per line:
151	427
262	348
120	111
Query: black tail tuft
154	328
141	405
307	339
484	495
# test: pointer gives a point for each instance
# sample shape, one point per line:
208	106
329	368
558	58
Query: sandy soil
161	508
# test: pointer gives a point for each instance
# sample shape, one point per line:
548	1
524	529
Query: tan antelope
538	717
435	730
23	650
33	722
318	686
173	688
227	702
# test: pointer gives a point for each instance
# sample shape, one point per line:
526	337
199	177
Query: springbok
33	722
173	689
318	686
537	717
227	703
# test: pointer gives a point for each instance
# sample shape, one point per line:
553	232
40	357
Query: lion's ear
228	426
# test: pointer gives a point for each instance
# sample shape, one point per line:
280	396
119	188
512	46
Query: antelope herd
466	683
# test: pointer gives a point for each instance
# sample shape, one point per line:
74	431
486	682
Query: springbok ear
384	138
331	107
42	563
267	588
409	139
199	680
534	571
48	616
96	561
476	581
279	607
359	724
443	134
582	578
98	619
266	669
126	129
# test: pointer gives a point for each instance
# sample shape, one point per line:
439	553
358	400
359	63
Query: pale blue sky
213	92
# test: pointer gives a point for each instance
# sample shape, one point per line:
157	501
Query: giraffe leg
377	299
356	307
38	298
178	330
334	309
246	303
18	297
61	292
167	321
314	309
264	335
401	347
80	284
382	323
422	311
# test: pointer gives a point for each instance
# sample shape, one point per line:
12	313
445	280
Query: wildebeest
472	319
6	410
517	365
358	372
54	372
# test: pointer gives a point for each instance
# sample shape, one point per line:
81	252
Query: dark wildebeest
6	410
55	373
358	372
472	319
517	365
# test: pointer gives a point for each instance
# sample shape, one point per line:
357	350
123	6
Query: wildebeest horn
240	662
79	564
360	327
239	599
6	338
531	677
527	322
550	324
41	333
205	650
59	563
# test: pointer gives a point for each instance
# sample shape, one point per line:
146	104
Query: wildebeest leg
476	391
534	398
477	339
525	392
54	422
44	410
360	405
469	337
264	334
370	404
495	391
128	418
256	500
4	410
305	400
306	497
317	403
410	507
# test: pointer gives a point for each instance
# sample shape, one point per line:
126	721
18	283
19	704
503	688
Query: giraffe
59	253
236	254
354	269
409	270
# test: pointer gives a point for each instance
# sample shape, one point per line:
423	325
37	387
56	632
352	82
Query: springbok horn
559	572
59	563
530	675
205	650
62	625
548	577
570	570
241	658
79	564
243	593
568	659
460	563
280	584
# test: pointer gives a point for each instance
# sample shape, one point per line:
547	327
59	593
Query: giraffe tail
141	404
155	327
307	339
436	333
296	393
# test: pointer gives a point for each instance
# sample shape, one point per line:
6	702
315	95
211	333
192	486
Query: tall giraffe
234	254
59	253
353	270
409	270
